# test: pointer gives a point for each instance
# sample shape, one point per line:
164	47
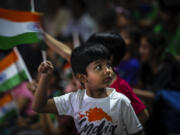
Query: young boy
97	110
117	48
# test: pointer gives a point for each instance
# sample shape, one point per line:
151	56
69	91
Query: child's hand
46	68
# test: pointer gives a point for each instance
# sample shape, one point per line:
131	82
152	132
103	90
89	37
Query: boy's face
99	74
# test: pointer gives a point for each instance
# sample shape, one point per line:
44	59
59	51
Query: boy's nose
107	70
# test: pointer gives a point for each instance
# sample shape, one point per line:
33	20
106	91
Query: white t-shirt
112	115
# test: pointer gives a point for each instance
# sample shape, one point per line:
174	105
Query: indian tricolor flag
18	27
8	108
12	71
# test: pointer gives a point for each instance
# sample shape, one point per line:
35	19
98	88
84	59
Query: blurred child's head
123	17
152	47
113	42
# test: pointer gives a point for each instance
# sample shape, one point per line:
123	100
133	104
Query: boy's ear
81	78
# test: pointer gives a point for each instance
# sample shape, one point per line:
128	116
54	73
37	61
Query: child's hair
113	42
83	55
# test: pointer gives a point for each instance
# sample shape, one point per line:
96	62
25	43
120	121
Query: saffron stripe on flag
8	108
7	97
14	81
26	38
11	71
16	25
11	58
19	16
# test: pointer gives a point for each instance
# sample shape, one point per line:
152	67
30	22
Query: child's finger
49	64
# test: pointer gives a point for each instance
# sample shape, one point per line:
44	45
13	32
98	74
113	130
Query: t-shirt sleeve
130	120
64	104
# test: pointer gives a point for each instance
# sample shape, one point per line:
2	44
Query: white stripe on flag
11	71
7	107
9	28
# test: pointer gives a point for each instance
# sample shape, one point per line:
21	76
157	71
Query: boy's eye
98	67
109	66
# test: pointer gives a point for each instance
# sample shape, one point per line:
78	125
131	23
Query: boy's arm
41	103
59	47
143	116
47	125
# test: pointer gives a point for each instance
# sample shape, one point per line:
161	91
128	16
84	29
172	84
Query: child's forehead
99	61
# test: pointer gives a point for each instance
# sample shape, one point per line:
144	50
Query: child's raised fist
46	67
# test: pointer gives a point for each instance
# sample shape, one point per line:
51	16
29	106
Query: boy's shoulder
119	96
77	93
70	95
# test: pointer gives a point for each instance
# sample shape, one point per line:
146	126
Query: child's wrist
46	75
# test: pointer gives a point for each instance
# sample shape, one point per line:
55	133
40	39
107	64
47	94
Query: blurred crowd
151	31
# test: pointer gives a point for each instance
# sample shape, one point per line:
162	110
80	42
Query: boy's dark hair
83	55
113	42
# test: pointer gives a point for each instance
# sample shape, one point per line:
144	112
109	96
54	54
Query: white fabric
106	116
10	28
11	71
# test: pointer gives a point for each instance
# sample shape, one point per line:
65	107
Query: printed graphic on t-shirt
96	122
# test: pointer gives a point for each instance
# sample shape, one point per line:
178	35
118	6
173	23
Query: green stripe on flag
14	81
26	38
8	116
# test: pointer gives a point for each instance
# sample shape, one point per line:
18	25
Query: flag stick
44	55
32	6
22	61
76	41
43	52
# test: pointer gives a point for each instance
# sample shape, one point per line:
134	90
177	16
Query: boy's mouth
108	79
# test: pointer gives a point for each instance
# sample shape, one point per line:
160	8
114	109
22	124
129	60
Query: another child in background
159	68
129	67
96	109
